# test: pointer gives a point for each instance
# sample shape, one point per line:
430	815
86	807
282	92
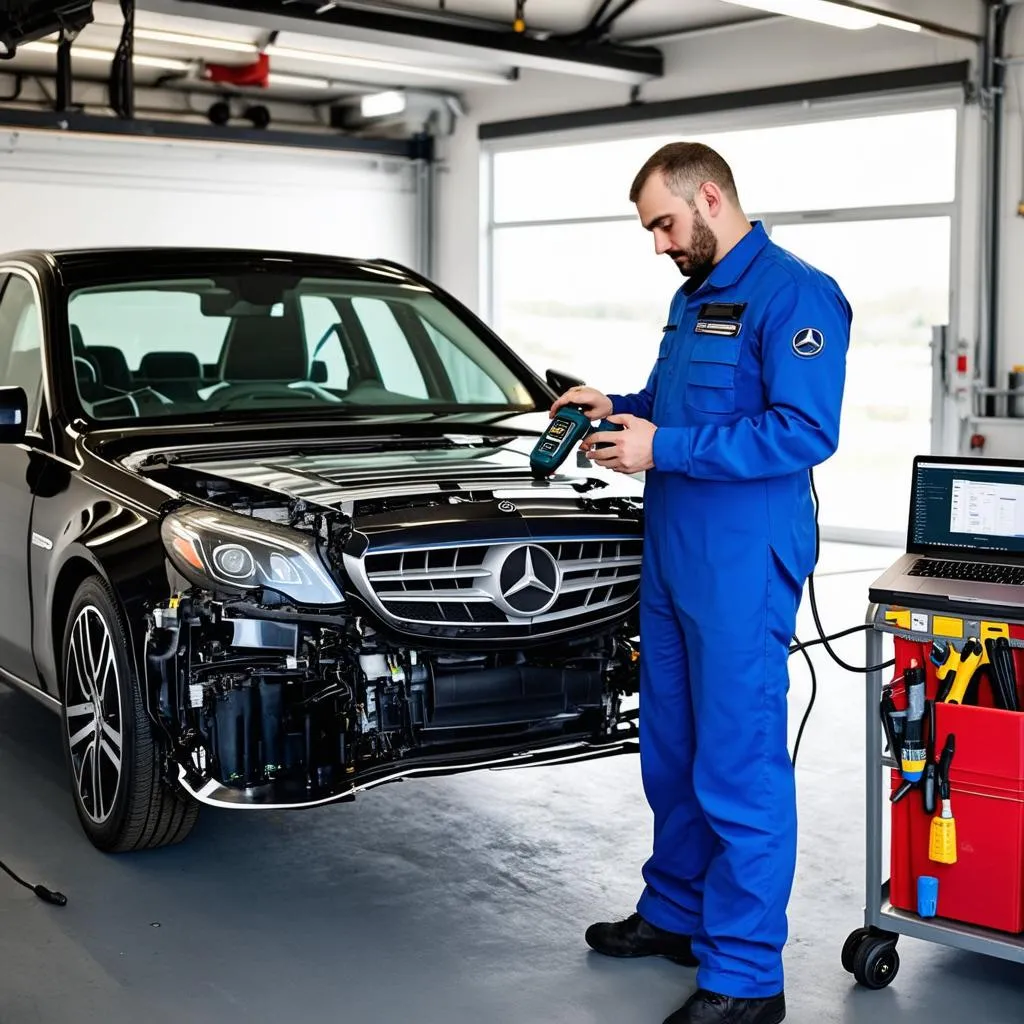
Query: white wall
72	190
775	53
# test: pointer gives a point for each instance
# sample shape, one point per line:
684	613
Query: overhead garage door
75	190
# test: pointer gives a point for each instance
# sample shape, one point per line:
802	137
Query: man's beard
700	255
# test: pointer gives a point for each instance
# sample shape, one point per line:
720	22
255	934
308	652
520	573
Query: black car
271	537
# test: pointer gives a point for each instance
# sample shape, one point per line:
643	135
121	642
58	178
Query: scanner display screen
558	439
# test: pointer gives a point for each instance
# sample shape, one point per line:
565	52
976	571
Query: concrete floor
448	900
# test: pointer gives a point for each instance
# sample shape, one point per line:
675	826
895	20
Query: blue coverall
746	396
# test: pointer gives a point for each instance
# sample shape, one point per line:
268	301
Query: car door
21	333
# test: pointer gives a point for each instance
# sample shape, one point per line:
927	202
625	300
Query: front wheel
121	800
876	963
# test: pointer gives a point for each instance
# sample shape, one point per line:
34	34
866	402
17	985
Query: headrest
77	344
170	366
112	365
265	348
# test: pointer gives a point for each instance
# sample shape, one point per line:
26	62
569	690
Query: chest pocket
711	376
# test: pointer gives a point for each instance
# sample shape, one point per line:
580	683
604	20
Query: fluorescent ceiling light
159	35
373	64
827	13
302	81
907	26
85	53
382	104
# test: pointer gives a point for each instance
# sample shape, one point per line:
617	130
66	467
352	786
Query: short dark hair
685	166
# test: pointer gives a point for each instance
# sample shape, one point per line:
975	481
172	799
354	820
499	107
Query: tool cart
945	763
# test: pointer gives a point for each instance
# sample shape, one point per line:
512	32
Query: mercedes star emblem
528	580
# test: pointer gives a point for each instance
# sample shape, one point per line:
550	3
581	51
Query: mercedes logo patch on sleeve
808	342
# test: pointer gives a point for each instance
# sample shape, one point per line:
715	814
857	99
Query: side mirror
13	415
559	381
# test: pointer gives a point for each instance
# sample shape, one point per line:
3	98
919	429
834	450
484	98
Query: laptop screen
972	506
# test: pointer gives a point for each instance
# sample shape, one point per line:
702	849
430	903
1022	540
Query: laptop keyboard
978	572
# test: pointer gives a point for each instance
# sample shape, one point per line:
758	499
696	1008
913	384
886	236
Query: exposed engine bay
472	630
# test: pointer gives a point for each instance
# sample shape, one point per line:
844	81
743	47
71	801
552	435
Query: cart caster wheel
876	963
856	937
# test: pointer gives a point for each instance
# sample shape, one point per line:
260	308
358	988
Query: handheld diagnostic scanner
565	431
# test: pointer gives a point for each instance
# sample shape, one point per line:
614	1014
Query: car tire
122	801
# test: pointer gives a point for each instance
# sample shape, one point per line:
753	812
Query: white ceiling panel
317	61
653	16
564	16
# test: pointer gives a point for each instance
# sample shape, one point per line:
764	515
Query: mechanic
743	400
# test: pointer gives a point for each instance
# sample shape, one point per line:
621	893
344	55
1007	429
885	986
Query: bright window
141	321
885	160
323	330
589	299
198	346
575	284
895	274
20	340
391	348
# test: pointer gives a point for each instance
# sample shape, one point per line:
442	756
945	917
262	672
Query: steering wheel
254	392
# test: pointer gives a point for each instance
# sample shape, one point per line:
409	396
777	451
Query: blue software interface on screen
968	507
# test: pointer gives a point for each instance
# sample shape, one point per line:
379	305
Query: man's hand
631	449
596	405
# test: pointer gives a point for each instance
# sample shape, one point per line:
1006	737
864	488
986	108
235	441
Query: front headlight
209	546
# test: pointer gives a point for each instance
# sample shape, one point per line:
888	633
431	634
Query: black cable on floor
57	898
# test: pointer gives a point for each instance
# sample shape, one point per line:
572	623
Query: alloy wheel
93	716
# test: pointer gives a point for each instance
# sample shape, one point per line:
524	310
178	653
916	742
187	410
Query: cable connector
58	899
49	896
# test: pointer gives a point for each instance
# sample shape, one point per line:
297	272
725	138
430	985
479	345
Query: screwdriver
970	656
942	838
946	659
892	737
928	785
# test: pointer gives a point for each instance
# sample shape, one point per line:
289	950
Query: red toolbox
985	886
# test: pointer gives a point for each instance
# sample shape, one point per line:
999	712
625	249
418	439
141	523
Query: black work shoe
705	1007
637	937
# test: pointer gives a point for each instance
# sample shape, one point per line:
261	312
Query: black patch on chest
722	311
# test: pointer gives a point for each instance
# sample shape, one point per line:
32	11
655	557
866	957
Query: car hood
344	473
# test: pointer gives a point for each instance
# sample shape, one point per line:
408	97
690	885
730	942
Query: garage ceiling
320	53
563	16
180	37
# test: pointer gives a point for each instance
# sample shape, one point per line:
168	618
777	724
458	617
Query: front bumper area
214	794
281	709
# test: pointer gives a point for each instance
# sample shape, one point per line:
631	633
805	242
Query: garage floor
449	900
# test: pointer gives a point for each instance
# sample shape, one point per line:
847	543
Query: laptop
965	537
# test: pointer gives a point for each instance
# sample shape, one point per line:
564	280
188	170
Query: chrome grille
461	586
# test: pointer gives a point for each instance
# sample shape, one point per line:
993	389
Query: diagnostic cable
823	639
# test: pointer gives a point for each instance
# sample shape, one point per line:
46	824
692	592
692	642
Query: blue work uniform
746	396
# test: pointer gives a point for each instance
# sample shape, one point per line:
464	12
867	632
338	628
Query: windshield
278	341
